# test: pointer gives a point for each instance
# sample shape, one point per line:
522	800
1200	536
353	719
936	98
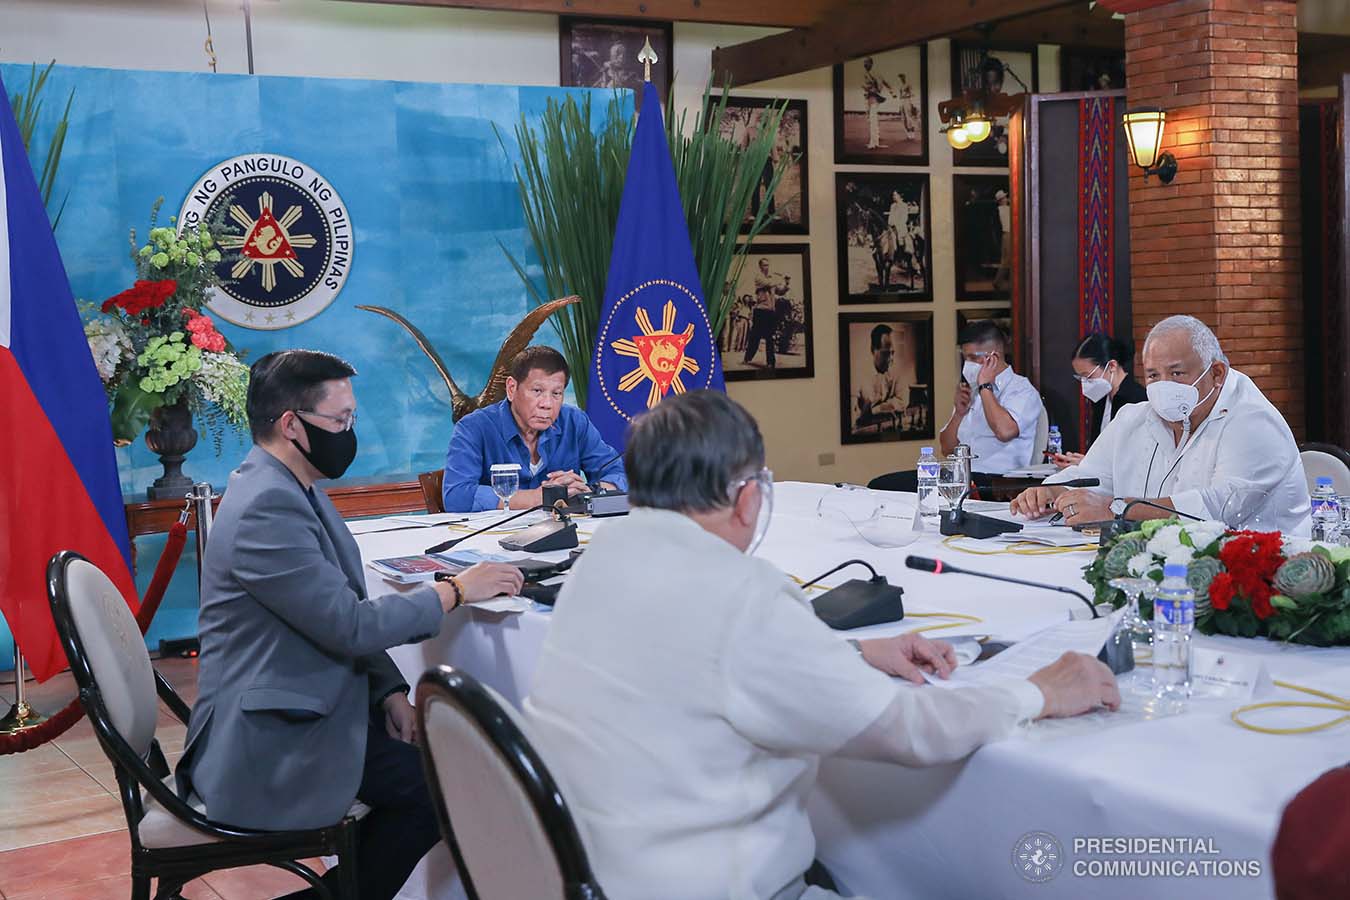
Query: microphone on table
1120	525
1077	483
938	567
1117	662
857	603
559	534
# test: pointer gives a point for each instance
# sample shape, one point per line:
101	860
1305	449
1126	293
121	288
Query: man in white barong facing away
686	692
1207	444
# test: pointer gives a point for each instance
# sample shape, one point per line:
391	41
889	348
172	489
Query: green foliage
571	181
27	107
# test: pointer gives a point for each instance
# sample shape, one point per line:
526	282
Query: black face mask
331	452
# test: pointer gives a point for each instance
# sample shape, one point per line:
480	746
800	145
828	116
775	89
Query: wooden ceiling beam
770	13
859	28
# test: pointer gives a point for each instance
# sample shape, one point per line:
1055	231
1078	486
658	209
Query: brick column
1222	241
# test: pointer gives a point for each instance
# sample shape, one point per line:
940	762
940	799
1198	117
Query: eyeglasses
1084	379
345	422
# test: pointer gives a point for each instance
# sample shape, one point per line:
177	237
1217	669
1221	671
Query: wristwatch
1118	506
987	386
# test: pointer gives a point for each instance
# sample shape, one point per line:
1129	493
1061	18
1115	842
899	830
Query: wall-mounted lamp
957	135
1143	133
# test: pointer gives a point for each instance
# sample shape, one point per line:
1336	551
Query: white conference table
885	831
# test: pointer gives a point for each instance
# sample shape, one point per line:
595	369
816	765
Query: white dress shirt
684	696
1243	445
1023	402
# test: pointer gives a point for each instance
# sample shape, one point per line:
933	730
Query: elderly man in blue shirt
553	444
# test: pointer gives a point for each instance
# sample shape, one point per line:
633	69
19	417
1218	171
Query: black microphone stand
937	566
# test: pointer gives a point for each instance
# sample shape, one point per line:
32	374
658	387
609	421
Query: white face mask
970	371
1174	401
1096	388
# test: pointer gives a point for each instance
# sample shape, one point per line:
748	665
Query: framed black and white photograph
883	237
881	108
1089	69
741	124
983	237
885	376
603	53
768	333
995	69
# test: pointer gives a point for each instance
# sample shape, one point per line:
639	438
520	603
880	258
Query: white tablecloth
950	831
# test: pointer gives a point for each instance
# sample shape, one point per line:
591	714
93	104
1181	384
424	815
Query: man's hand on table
574	483
1083	505
480	582
909	656
1074	684
1037	502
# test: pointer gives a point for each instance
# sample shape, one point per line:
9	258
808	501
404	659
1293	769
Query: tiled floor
62	832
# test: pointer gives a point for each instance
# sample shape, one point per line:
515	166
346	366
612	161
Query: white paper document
1036	652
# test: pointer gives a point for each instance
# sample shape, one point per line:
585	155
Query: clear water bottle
1055	445
930	505
1173	620
1326	512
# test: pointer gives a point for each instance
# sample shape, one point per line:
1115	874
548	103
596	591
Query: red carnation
1221	591
142	296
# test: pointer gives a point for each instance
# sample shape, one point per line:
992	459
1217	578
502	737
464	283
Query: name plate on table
1222	673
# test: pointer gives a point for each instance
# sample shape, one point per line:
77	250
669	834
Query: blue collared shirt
489	436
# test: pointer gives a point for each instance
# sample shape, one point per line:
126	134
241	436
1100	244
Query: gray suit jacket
292	656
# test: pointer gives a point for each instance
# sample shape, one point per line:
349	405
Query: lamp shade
958	137
1144	132
977	127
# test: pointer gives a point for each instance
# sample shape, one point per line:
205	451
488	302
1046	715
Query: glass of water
505	481
953	481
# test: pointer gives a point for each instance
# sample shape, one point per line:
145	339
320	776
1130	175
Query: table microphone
938	567
1167	509
1077	483
446	545
1120	525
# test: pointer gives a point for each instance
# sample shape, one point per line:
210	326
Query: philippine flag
58	476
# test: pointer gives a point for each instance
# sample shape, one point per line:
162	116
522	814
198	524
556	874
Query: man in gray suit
300	710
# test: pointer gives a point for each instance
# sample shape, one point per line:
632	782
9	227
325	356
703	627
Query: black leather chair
173	841
519	839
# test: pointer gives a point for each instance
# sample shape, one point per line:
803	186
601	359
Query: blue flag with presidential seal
654	336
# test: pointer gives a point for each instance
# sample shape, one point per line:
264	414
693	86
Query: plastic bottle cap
925	450
1322	480
1174	570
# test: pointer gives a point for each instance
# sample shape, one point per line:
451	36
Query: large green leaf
131	411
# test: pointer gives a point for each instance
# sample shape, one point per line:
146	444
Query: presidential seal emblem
293	240
640	363
1038	856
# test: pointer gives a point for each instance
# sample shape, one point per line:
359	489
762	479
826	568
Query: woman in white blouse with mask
1103	367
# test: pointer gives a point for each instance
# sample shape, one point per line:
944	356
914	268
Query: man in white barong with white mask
686	691
1207	444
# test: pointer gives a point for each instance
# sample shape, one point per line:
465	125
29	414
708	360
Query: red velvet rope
58	724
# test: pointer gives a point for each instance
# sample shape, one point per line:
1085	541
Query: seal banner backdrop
654	337
293	240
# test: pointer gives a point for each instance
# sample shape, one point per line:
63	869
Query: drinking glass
953	482
1242	511
1135	629
505	482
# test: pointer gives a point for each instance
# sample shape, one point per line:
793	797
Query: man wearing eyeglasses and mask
553	444
300	710
686	692
1207	444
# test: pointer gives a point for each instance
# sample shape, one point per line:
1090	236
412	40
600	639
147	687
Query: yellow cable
1020	548
1336	704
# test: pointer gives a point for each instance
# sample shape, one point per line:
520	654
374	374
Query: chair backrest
1326	461
518	839
104	646
1042	437
432	483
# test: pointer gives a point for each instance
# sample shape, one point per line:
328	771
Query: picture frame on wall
881	108
769	333
884	237
999	69
741	124
603	53
983	248
885	376
999	315
1091	69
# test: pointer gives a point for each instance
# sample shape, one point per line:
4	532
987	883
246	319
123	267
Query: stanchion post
21	716
200	498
